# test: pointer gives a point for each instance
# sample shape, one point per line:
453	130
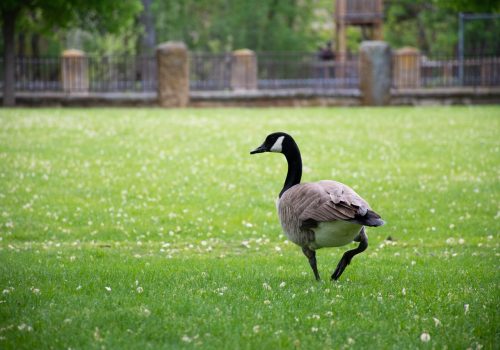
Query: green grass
150	228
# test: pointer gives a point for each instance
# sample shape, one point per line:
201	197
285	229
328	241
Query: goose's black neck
294	160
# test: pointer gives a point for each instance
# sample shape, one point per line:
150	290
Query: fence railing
102	74
306	70
210	71
275	70
37	74
122	73
415	70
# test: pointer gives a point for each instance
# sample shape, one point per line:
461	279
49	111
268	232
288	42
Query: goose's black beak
259	149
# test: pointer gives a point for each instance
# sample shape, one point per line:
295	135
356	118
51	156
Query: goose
319	214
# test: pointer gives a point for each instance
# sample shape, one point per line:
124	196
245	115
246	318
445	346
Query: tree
224	25
99	14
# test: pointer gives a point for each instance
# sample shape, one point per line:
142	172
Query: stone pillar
74	71
406	68
173	74
375	73
244	70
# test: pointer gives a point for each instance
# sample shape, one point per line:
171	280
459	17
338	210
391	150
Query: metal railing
275	70
416	70
306	70
102	74
38	74
122	73
210	71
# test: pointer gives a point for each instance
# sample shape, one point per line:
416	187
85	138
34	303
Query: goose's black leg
311	255
347	257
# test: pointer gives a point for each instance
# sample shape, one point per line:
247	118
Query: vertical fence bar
461	48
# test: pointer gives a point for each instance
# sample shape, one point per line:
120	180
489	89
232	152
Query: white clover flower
450	240
108	289
25	327
282	284
256	329
146	312
425	337
186	339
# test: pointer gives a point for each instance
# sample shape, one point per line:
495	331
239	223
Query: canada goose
319	214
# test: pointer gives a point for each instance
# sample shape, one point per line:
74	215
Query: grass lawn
151	228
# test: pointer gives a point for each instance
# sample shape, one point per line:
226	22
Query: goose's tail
369	219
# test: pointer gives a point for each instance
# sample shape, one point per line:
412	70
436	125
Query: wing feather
325	201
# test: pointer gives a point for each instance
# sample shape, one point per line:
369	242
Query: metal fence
305	70
416	70
275	70
102	74
122	74
210	71
37	74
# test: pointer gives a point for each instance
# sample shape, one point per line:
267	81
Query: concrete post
244	70
406	69
74	72
375	73
173	74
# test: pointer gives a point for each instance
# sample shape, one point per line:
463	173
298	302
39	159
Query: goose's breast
334	234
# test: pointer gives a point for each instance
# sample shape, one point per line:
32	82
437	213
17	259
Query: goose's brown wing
328	201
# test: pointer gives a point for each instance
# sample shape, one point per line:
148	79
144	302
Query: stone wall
375	73
74	72
173	74
244	70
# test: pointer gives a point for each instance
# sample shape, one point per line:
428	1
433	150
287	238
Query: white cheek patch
278	145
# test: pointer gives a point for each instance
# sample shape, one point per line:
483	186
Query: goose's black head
281	142
276	142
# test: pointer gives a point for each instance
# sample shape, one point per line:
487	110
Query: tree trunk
423	43
21	45
8	26
148	38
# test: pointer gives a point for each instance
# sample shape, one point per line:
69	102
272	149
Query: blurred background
298	43
46	28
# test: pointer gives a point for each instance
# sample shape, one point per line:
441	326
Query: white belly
334	234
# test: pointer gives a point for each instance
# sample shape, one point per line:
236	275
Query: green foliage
55	19
482	6
221	25
432	26
110	27
101	15
151	228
